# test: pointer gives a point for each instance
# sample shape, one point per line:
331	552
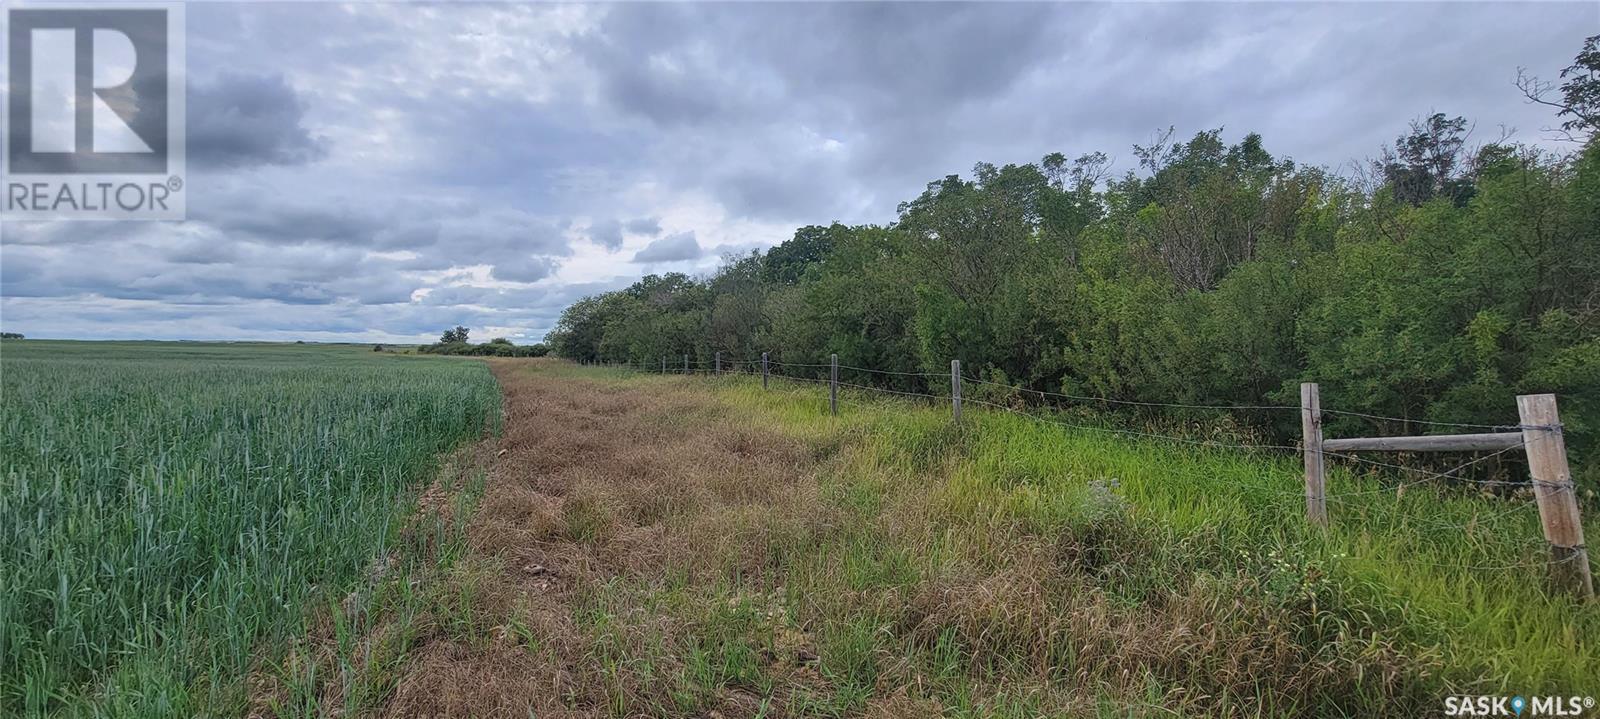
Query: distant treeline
454	342
493	348
1432	284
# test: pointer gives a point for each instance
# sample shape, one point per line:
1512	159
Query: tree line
454	342
1432	284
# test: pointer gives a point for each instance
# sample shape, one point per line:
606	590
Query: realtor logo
94	120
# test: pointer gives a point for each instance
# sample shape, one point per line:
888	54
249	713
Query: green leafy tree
1435	289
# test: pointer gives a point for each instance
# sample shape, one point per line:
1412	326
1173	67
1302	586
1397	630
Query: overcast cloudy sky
378	172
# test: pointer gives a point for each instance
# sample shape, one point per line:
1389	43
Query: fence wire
1425	475
1349	499
1135	403
748	367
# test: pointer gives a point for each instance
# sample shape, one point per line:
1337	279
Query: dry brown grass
596	484
642	549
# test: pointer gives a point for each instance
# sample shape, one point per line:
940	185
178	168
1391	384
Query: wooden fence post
763	370
1555	493
833	386
663	364
955	389
686	364
1316	476
719	363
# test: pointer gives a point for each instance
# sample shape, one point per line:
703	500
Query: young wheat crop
167	508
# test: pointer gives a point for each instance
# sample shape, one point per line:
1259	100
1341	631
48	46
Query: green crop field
168	509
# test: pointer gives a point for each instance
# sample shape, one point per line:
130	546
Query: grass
689	547
1415	579
1015	568
168	511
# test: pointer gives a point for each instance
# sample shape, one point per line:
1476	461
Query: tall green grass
167	509
1449	579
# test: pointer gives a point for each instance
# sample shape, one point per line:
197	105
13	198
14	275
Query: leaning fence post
833	385
1316	476
763	370
1555	493
955	389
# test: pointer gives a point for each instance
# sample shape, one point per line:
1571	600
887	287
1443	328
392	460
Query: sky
378	172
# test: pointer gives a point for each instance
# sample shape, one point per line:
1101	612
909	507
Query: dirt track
591	484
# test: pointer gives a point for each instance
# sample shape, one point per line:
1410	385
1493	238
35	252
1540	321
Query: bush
498	347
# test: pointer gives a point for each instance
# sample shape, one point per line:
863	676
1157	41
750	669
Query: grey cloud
466	138
337	325
866	72
457	295
607	234
247	120
790	194
646	68
383	290
67	233
500	234
347	321
203	269
671	248
915	91
886	55
439	233
21	271
648	226
454	295
208	251
281	222
679	64
517	152
524	269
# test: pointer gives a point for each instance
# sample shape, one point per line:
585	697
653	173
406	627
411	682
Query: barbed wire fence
1538	434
